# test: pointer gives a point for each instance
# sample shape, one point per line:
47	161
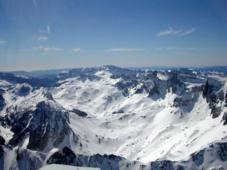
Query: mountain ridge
139	115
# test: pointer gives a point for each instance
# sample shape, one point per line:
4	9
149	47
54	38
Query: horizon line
99	66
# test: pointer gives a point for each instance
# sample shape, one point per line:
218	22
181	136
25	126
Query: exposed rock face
221	149
226	99
2	140
217	150
20	159
49	96
213	97
27	159
159	165
198	158
65	156
224	118
52	126
1	157
2	102
154	91
179	102
45	125
19	126
206	90
197	161
125	85
119	111
79	113
24	90
174	83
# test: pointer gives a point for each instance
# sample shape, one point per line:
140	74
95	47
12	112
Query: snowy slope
144	116
147	129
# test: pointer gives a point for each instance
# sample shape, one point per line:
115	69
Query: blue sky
47	34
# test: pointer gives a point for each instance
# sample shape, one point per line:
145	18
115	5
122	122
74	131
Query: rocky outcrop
79	112
19	124
175	84
2	102
125	85
213	97
161	165
2	140
224	118
46	126
179	102
20	159
104	162
24	90
154	91
225	99
221	149
198	158
30	160
65	156
203	159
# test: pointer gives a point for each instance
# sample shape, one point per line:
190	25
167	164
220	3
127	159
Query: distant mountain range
38	73
114	118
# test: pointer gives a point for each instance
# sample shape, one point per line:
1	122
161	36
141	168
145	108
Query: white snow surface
136	127
147	129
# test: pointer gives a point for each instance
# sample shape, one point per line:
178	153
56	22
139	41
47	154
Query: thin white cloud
187	32
171	48
48	49
76	50
125	49
42	38
47	30
34	3
169	31
2	42
176	32
174	48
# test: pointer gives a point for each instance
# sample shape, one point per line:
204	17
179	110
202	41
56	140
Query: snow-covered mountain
114	118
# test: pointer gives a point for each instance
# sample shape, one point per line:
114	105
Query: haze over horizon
52	34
